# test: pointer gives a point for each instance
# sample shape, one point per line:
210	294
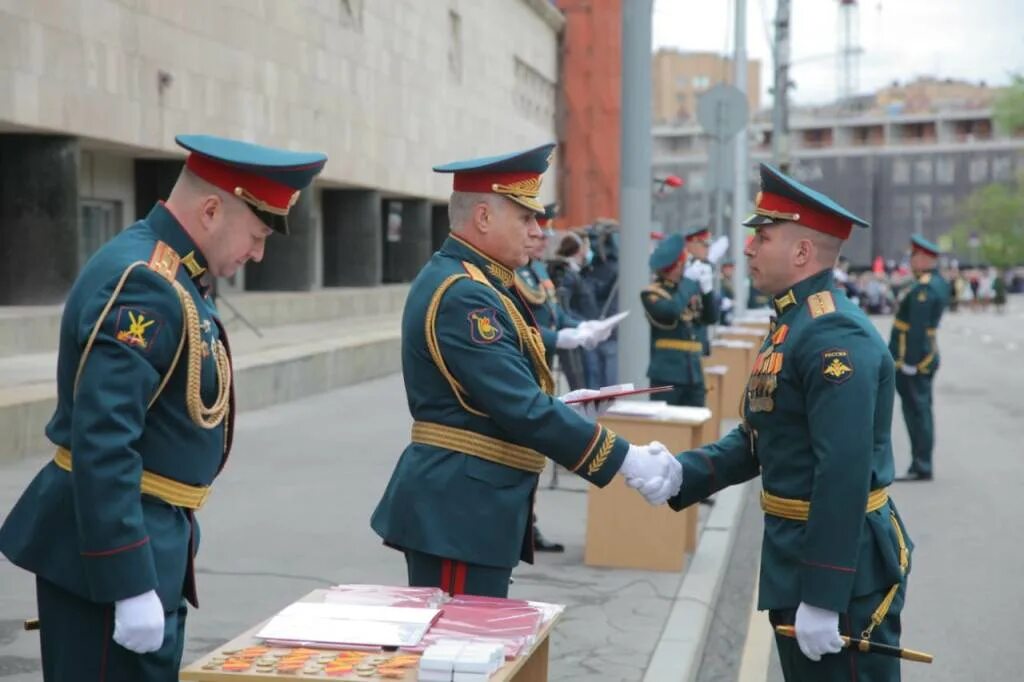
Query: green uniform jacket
817	418
91	531
912	341
538	293
675	311
449	504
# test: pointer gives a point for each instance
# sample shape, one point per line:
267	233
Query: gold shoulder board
164	261
821	303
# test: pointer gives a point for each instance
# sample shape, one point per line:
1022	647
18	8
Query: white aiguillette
331	625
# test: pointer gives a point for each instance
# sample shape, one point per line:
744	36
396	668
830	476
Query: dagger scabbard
868	647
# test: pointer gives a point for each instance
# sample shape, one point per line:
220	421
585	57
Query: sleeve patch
137	328
484	327
836	366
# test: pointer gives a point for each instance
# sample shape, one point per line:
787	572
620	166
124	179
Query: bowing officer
817	415
916	353
459	502
144	417
675	306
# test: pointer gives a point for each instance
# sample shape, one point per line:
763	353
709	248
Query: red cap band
258	190
829	223
485	182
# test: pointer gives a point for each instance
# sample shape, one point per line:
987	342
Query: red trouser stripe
446	575
460	578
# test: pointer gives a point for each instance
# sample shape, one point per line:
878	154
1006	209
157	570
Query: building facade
904	173
678	79
92	93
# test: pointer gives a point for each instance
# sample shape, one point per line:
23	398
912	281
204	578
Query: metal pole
635	192
740	198
719	148
780	105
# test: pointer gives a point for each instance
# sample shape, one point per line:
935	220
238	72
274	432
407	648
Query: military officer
459	501
558	328
144	417
916	353
674	306
699	269
816	426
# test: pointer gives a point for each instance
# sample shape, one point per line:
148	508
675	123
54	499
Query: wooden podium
623	530
738	357
714	383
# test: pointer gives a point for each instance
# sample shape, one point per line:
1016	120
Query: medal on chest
764	378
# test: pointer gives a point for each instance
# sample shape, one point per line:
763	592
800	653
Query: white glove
599	332
568	338
139	623
653	471
817	631
726	305
909	370
591	409
702	273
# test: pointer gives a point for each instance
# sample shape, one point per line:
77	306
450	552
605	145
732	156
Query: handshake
652	471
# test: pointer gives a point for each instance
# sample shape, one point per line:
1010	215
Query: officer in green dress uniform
144	418
675	306
459	502
916	353
816	427
699	269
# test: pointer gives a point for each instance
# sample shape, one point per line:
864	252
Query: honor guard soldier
144	418
817	415
916	353
459	502
675	306
699	269
558	328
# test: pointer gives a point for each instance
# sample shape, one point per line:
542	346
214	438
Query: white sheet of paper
331	624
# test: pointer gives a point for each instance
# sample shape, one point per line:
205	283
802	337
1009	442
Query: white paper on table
638	408
314	622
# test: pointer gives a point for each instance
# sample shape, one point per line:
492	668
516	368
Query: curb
677	656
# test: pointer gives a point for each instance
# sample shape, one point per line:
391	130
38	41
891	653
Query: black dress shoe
542	544
914	476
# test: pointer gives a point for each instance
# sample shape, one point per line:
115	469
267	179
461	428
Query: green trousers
76	641
849	665
456	577
691	395
916	397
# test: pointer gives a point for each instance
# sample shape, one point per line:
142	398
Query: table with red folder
521	627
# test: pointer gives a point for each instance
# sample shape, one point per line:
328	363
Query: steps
311	342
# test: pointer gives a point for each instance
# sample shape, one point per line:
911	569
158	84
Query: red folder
611	395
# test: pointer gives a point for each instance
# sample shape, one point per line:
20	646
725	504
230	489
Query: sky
966	39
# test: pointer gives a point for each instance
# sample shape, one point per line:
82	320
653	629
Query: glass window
900	172
977	170
923	172
1002	168
99	221
945	171
947	205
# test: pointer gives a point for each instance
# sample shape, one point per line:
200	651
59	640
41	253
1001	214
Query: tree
1008	110
995	213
